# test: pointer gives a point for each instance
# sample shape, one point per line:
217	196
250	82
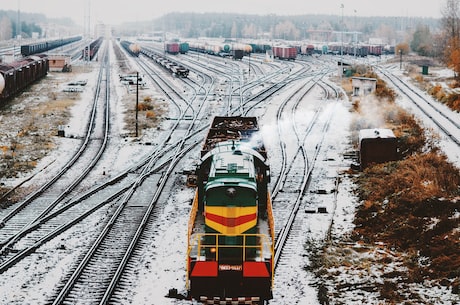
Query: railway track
94	261
296	182
298	164
444	119
105	261
17	221
131	198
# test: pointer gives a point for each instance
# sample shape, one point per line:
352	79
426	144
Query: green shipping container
425	70
184	47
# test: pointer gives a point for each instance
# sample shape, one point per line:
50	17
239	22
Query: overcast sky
119	11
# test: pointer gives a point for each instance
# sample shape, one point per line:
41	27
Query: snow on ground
447	146
151	290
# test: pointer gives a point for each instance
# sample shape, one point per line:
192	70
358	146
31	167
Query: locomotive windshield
231	196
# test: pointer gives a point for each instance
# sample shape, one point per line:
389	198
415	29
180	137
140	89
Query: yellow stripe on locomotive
230	220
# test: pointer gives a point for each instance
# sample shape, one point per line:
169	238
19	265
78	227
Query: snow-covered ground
439	76
155	276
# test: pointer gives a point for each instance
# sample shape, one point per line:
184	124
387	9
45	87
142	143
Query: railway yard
96	196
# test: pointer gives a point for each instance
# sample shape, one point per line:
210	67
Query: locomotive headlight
230	192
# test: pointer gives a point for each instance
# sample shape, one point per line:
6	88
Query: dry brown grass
442	94
417	178
401	200
149	114
410	206
28	131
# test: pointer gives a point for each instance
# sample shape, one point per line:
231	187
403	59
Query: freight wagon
131	48
40	47
183	47
287	53
17	75
172	48
307	49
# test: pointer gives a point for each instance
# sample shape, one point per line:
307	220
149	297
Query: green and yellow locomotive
231	228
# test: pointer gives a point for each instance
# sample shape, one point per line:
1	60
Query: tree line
9	25
451	35
301	27
443	44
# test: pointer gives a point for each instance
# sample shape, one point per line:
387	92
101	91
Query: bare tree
6	30
287	30
450	18
451	30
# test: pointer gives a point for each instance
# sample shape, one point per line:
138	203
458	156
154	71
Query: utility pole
341	44
355	36
137	102
400	59
249	65
19	30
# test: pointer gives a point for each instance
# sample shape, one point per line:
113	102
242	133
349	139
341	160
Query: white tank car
2	83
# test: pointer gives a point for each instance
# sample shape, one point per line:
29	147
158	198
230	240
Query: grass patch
407	225
150	111
27	140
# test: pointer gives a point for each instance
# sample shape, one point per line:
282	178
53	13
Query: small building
377	145
363	85
60	63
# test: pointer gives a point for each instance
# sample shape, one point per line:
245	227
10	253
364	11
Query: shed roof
376	133
364	78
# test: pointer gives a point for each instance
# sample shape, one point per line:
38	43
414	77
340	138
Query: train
132	48
89	52
223	49
171	66
360	49
285	52
175	48
288	51
230	254
17	75
40	47
172	48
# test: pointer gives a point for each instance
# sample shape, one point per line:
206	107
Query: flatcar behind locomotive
231	228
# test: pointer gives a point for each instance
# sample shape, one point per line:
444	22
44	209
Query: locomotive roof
226	146
230	165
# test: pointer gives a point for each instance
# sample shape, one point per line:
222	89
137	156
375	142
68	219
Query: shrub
434	89
150	114
144	106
